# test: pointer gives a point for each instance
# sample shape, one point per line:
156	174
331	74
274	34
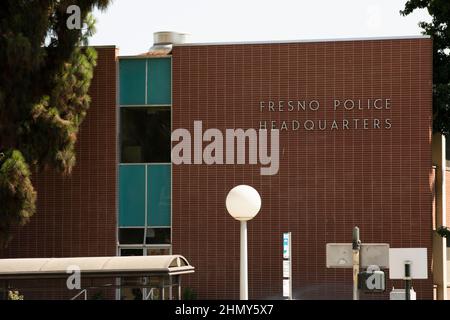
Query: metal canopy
36	268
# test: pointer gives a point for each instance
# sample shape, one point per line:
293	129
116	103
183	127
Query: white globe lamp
243	203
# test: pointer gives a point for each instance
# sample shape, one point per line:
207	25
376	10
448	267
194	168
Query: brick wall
328	182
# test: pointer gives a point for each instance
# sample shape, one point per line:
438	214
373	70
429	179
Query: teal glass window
158	195
132	73
131	195
159	81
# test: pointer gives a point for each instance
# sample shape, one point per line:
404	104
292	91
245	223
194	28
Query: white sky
129	24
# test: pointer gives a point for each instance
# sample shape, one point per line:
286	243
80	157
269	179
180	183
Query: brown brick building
355	124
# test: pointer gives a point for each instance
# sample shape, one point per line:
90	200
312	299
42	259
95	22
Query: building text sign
348	109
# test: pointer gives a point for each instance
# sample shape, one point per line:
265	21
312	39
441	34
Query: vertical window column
145	147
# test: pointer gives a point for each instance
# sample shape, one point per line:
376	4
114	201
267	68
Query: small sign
286	269
286	245
286	288
417	258
287	280
339	255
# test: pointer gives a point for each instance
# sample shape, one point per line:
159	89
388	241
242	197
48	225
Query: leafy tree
443	232
14	295
45	73
439	31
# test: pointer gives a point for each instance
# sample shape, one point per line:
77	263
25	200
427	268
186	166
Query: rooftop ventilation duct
163	41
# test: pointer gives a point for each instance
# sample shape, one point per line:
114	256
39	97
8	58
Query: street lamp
243	203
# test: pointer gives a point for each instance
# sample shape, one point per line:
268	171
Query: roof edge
303	41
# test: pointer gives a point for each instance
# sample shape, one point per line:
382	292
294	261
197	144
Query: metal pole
243	263
170	288
407	280
179	287
143	288
163	289
356	246
117	288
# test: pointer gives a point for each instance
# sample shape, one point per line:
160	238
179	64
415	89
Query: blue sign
286	245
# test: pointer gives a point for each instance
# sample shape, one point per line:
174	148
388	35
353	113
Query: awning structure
54	268
118	272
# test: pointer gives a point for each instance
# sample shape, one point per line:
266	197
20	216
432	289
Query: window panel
159	81
158	236
158	195
132	81
131	235
126	252
145	135
132	195
158	251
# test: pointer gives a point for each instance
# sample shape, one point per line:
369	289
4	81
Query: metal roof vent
163	41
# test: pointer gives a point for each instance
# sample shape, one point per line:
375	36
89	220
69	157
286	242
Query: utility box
400	294
372	281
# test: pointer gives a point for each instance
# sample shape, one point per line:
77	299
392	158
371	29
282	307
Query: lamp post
243	203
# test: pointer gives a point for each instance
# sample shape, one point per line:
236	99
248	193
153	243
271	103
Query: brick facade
328	182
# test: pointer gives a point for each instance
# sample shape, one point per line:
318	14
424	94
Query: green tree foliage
444	232
14	295
439	31
45	73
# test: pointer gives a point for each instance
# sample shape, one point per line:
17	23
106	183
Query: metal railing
84	291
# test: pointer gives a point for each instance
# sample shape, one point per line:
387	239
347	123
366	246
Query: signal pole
356	246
